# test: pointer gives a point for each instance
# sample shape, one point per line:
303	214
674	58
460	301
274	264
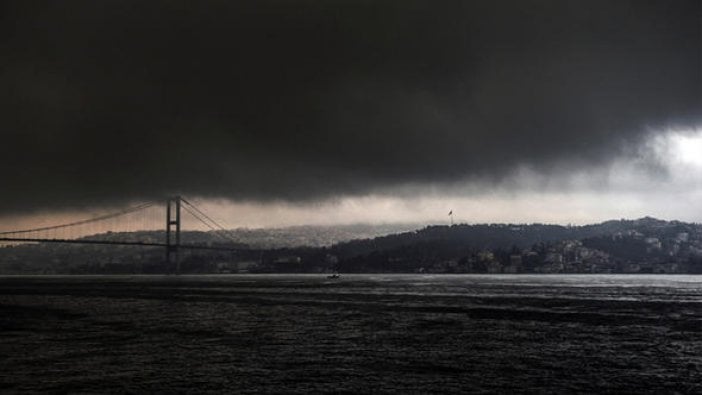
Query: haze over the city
278	113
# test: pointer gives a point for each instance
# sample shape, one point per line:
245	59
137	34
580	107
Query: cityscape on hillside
646	245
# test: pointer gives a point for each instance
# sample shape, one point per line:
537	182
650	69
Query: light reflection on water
645	286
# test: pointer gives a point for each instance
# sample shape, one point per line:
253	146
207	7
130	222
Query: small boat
334	276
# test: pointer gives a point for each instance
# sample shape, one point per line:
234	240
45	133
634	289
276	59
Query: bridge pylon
173	232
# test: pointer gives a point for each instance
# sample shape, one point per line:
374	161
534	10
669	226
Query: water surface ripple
360	334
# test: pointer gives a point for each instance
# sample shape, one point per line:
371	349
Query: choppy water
362	333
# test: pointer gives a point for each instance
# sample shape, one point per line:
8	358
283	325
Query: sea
393	333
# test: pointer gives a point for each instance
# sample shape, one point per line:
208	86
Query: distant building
553	257
550	268
515	264
236	267
288	259
683	237
653	244
486	256
632	268
494	267
515	260
666	268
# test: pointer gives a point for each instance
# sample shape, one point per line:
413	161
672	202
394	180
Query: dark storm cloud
115	100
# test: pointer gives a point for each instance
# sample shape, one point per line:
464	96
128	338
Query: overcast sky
291	112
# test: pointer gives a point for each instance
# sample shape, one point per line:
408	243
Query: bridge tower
173	231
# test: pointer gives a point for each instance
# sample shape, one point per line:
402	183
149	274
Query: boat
334	276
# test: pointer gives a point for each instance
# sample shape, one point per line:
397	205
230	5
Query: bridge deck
124	243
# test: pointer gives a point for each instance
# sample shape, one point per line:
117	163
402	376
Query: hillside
492	236
642	245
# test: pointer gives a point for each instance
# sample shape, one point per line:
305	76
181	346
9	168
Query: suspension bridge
132	225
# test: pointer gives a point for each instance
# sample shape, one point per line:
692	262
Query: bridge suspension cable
215	226
214	230
85	221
